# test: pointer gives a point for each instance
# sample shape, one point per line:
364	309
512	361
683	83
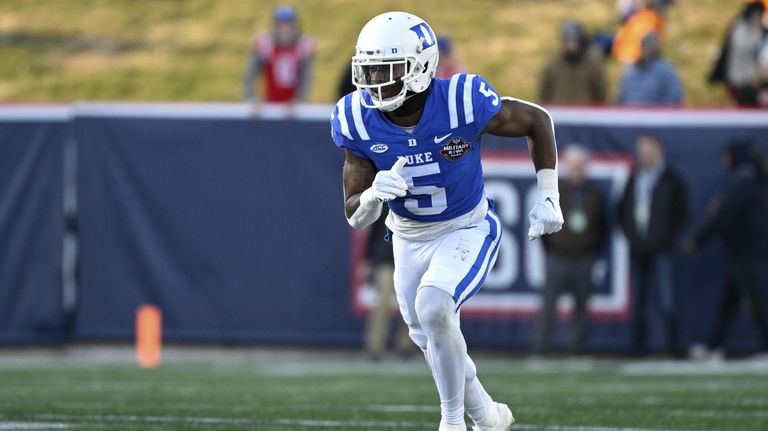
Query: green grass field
308	391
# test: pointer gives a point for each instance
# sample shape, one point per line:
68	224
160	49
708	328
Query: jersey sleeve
340	134
485	102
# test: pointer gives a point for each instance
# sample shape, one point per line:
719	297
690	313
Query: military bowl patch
455	149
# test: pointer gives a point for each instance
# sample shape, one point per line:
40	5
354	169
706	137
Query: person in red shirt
284	56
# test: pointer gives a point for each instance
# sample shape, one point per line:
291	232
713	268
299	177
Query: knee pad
434	309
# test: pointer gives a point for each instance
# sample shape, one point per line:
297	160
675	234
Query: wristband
367	212
547	181
366	197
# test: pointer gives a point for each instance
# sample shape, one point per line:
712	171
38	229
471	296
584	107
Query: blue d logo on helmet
426	35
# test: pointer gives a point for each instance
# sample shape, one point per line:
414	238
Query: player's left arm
517	118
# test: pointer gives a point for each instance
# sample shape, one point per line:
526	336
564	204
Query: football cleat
452	427
501	419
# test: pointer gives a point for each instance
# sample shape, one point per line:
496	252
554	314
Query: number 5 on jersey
437	196
487	92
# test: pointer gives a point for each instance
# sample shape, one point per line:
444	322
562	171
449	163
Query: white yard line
652	368
752	402
421	408
345	368
530	427
149	419
355	424
403	408
14	426
313	423
717	413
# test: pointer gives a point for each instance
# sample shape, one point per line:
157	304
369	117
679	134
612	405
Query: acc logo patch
379	148
455	149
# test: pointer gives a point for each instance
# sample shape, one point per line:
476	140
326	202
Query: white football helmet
396	52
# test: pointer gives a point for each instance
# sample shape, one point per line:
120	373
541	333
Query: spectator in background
626	8
652	80
575	76
382	268
448	65
284	57
762	76
765	14
737	64
573	251
627	44
651	213
739	216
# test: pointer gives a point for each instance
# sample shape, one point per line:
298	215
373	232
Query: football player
413	141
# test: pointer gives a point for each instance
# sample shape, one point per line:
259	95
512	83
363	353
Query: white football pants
432	281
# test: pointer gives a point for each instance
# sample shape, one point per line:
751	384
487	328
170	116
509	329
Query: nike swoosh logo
439	140
550	202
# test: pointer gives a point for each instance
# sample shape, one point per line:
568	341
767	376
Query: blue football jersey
443	170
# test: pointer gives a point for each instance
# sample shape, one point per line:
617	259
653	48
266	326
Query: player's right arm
358	176
365	189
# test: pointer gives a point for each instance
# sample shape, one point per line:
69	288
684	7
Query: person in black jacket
651	214
737	62
571	253
740	216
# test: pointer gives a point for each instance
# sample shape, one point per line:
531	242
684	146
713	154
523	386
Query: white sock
446	350
477	402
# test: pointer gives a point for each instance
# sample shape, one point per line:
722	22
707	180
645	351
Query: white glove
545	216
387	185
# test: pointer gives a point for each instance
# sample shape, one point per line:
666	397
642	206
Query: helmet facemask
385	79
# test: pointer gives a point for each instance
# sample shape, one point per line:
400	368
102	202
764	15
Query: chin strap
413	102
